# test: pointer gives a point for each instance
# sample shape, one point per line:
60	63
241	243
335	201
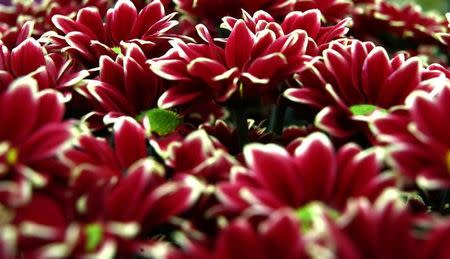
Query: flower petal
239	45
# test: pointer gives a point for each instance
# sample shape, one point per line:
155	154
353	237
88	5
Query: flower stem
277	118
240	119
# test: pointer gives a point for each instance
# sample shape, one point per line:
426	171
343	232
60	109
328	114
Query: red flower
128	208
437	242
444	37
309	21
315	172
209	12
41	12
353	81
241	66
278	236
49	70
87	37
406	22
129	147
30	137
418	143
383	230
332	10
126	86
200	155
113	218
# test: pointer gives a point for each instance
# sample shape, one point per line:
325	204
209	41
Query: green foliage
162	121
441	6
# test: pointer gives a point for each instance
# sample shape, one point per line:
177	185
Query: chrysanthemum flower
208	70
110	218
129	147
315	172
29	58
354	80
41	12
309	21
209	12
444	37
125	86
87	38
200	155
418	143
278	236
31	135
382	230
406	22
332	10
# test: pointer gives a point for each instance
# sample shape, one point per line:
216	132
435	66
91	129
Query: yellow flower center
12	156
447	158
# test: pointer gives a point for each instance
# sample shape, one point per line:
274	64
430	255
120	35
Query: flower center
447	158
365	109
12	156
94	236
9	156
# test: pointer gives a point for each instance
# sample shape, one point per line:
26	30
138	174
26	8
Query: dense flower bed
224	129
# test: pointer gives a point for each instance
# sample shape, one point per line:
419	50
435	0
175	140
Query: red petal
91	19
18	110
147	17
205	68
27	57
400	84
307	95
267	66
51	108
238	240
376	70
129	140
45	142
264	161
171	69
178	95
111	72
121	20
239	45
316	163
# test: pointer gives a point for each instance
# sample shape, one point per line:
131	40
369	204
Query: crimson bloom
332	10
211	11
200	155
104	220
381	230
444	37
41	12
278	236
129	147
87	38
309	21
125	86
354	80
49	70
418	143
315	172
240	67
30	138
406	22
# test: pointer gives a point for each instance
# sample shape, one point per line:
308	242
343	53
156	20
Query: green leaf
311	212
94	235
362	109
117	50
162	121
